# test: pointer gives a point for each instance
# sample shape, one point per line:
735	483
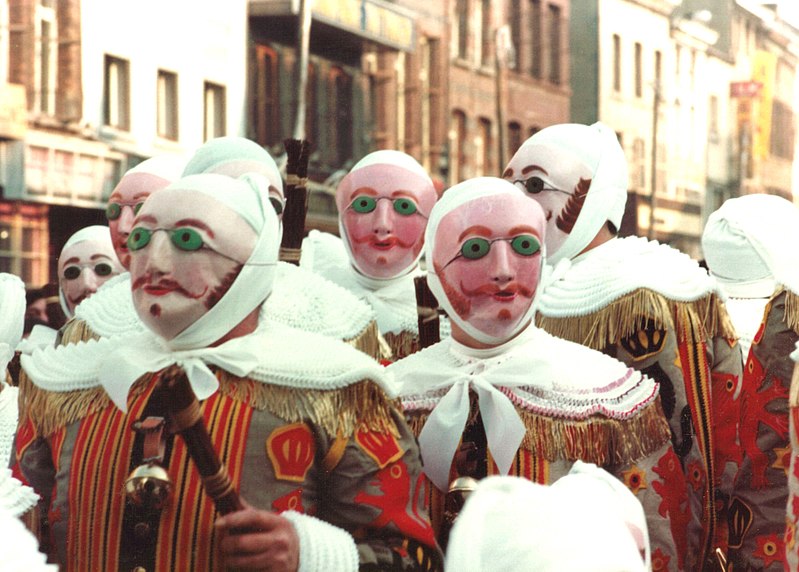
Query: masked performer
645	303
299	437
502	396
383	205
750	248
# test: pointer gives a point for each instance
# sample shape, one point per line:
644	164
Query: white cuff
323	547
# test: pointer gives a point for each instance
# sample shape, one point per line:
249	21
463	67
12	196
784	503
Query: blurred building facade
702	94
89	88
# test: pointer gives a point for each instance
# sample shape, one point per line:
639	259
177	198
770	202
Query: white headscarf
234	156
581	522
597	147
97	233
167	166
750	245
12	316
454	197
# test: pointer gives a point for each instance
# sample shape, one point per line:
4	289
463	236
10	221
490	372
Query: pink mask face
557	181
83	267
124	203
384	210
487	256
186	251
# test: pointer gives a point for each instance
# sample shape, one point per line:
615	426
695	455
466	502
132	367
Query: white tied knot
147	354
504	429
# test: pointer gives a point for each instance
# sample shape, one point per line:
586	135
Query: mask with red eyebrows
485	242
384	204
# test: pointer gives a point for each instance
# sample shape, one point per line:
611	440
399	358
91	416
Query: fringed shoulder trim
621	318
77	330
791	308
369	341
597	439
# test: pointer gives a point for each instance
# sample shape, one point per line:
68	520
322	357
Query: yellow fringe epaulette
77	330
402	344
368	341
621	318
791	308
336	411
597	439
50	411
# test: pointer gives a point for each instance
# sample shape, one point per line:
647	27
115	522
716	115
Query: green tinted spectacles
114	210
183	238
478	247
366	204
72	271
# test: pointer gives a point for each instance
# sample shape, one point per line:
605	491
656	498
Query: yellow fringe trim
77	330
791	309
597	439
338	412
621	318
368	341
402	344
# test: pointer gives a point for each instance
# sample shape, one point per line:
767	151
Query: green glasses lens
71	272
405	207
139	238
137	208
187	239
364	204
475	248
525	244
112	211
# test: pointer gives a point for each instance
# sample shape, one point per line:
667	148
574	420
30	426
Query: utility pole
303	43
504	56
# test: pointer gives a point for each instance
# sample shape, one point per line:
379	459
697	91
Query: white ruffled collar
274	354
620	266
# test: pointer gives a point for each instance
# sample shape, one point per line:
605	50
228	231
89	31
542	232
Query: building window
215	120
536	45
782	130
658	68
311	119
554	44
266	112
45	64
117	93
457	147
639	63
486	166
486	35
167	101
400	103
515	21
713	115
638	174
24	242
432	120
514	137
462	30
616	63
340	105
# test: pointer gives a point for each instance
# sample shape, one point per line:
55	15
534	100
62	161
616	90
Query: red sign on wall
745	88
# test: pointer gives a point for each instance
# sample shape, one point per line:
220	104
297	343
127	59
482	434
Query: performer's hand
269	541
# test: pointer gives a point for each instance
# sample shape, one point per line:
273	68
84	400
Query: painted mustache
384	243
165	286
508	291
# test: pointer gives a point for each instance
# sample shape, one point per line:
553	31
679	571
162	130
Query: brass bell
148	486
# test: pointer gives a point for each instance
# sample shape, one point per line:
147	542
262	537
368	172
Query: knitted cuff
323	547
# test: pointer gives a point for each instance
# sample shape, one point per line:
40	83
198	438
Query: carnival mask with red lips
486	256
187	248
87	261
384	204
578	174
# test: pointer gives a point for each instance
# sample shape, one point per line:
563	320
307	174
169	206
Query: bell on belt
148	486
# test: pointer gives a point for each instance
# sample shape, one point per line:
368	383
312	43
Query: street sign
745	88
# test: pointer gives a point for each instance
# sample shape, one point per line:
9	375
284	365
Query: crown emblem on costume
291	449
380	446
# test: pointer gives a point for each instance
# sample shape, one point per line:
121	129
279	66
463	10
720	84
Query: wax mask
487	255
186	250
558	181
83	267
383	211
